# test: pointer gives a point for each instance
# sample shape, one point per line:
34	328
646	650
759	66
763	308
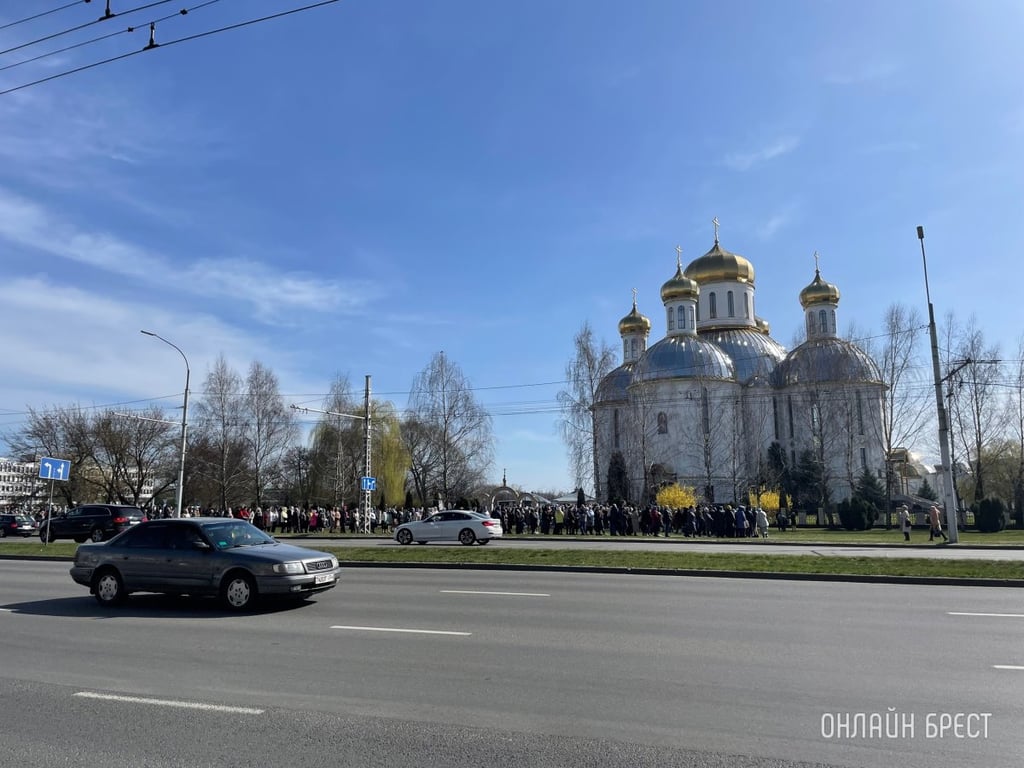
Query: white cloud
744	161
262	286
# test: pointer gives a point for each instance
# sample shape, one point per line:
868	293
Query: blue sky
352	189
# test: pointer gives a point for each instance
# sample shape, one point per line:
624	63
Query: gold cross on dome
679	256
715	222
816	269
634	298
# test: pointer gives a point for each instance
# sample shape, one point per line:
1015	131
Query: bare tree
906	407
448	434
591	362
220	451
270	428
972	397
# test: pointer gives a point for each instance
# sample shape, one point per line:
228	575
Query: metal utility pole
947	476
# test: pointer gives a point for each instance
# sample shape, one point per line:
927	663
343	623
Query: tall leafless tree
269	430
220	452
590	363
448	433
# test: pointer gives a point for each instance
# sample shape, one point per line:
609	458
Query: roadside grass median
565	556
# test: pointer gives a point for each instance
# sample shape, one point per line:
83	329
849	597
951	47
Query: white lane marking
481	592
996	615
411	631
1007	666
6	610
170	703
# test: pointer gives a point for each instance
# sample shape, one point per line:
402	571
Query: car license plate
323	578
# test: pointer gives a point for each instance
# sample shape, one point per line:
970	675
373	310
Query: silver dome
826	360
613	386
683	357
753	354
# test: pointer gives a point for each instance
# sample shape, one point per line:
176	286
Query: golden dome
679	287
718	265
819	292
634	322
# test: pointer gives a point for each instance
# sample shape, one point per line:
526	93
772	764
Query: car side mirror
202	546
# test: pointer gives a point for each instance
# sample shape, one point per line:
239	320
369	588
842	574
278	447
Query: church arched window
712	306
632	346
746	305
823	320
681	315
615	428
731	303
671	319
689	311
662	423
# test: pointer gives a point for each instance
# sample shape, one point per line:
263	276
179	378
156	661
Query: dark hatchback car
17	525
214	556
91	522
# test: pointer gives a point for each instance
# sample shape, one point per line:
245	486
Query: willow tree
590	363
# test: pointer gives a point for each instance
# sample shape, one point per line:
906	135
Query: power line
10	24
104	17
182	12
153	44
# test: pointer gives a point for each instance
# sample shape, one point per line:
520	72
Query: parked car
451	525
17	525
216	556
90	522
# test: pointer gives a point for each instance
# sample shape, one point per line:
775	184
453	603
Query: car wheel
43	537
466	536
108	587
238	591
96	534
404	536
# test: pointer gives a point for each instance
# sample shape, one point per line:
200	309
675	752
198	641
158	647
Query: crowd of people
721	520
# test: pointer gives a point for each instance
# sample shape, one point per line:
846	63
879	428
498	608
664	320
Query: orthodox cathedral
703	405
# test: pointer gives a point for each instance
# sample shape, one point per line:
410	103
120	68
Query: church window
731	303
615	428
823	320
746	305
775	416
712	306
832	325
681	317
662	423
863	458
671	320
810	325
689	311
860	415
625	349
632	346
789	406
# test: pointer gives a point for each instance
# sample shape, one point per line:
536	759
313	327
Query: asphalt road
751	547
469	668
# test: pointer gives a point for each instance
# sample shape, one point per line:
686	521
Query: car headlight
295	567
334	562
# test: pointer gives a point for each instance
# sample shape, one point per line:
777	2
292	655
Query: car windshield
235	533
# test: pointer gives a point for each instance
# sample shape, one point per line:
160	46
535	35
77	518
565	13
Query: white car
451	525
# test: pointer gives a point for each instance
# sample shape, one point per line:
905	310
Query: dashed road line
170	703
1008	666
481	592
409	631
994	615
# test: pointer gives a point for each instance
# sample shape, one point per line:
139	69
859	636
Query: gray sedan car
214	556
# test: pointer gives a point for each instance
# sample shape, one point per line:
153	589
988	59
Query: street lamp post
948	493
184	421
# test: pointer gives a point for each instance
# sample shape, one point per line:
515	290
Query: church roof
612	387
684	357
753	354
820	361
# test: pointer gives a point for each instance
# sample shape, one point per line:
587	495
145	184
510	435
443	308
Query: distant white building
702	405
20	484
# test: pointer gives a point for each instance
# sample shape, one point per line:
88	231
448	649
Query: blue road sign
54	469
368	483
